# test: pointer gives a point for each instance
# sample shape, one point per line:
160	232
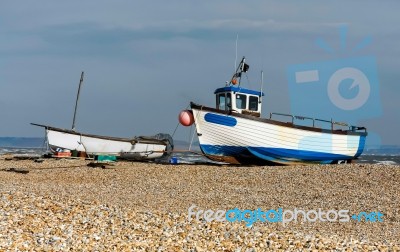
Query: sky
145	61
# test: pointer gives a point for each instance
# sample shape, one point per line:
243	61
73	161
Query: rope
191	141
81	143
175	130
178	124
197	118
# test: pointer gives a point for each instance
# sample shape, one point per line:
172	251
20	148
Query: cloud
89	38
171	52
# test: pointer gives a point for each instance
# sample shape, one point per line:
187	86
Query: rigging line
190	133
81	143
177	125
197	119
175	130
248	81
191	142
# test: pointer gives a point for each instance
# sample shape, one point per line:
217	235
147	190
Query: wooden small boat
234	131
137	148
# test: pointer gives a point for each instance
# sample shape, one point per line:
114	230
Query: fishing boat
234	132
136	148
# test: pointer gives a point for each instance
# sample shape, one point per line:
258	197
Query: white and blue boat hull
245	139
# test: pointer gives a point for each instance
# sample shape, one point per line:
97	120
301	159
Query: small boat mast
77	99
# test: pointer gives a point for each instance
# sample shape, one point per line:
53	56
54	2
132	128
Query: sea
382	156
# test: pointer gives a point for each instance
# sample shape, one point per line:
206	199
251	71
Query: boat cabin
239	100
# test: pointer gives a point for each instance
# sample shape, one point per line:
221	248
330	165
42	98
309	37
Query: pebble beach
66	205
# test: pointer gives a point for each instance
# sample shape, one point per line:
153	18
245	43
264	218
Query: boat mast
242	68
77	99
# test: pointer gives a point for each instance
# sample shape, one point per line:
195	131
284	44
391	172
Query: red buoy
186	118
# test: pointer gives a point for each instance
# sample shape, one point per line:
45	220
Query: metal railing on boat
343	124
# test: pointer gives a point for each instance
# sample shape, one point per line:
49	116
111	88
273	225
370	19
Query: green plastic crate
105	158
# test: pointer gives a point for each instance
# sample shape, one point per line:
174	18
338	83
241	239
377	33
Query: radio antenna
237	38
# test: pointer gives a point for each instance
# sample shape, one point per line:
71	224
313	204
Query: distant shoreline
37	142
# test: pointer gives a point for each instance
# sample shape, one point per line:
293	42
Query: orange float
186	118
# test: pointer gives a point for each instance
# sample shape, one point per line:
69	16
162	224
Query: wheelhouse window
228	101
241	101
253	103
224	101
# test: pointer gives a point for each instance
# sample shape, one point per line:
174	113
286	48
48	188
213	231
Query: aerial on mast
237	38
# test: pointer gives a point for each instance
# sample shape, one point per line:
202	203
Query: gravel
62	204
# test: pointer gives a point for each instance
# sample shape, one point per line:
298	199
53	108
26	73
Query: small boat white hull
64	140
140	148
131	150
